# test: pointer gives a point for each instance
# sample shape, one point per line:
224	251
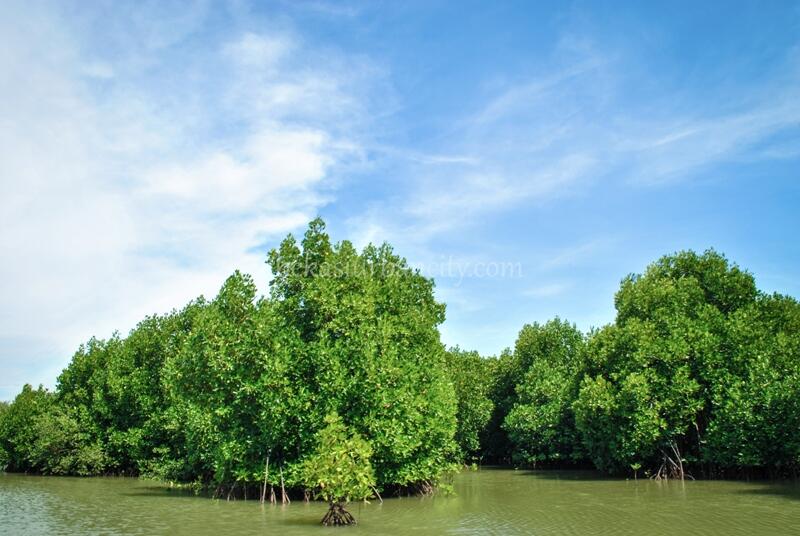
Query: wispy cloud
547	290
575	125
571	255
571	128
148	149
672	149
329	9
117	201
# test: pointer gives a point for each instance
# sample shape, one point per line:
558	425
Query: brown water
485	502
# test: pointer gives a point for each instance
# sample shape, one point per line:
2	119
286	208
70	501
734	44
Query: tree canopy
471	377
206	394
340	366
699	369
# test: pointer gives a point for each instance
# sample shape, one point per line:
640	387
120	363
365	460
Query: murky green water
486	502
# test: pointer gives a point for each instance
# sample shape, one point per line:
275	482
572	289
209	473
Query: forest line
699	374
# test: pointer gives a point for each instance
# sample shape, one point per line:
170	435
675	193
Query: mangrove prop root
266	475
338	516
425	488
671	468
284	497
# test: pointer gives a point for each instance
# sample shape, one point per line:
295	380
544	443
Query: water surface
489	501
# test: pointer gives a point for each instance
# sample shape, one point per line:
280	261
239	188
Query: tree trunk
266	475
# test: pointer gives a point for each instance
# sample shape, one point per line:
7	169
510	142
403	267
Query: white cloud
259	51
139	166
273	161
122	200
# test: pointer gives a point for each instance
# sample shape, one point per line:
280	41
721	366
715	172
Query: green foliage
697	360
471	376
341	367
230	388
370	352
651	378
685	284
646	377
532	389
207	393
115	389
3	453
18	434
541	424
338	470
755	418
505	372
61	433
342	332
62	447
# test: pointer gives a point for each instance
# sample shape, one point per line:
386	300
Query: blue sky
526	155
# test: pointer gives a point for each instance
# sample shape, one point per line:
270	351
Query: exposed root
425	488
671	468
338	516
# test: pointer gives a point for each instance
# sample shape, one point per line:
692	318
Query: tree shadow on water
579	475
162	491
787	490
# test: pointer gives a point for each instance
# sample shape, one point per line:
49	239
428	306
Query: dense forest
341	366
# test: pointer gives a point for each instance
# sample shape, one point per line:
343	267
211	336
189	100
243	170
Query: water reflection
486	502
